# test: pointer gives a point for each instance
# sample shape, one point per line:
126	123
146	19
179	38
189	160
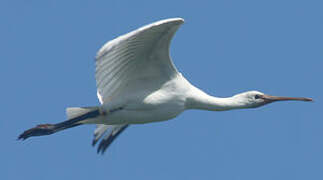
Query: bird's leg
47	129
40	130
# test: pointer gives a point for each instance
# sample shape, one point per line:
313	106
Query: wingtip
170	20
100	150
94	141
179	19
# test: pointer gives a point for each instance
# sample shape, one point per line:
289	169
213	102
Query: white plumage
135	64
137	82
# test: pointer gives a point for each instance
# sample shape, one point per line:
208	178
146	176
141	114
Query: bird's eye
257	96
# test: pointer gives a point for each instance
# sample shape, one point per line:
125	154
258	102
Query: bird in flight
137	83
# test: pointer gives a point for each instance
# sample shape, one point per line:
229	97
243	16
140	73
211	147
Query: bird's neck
201	100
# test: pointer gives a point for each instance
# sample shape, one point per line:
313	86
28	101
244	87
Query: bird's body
138	83
164	103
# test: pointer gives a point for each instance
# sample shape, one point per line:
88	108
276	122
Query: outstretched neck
201	100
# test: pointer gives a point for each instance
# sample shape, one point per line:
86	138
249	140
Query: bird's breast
147	106
157	106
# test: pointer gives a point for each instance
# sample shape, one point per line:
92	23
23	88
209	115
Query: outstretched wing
137	60
129	63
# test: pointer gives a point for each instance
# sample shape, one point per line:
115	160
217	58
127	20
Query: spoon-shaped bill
281	98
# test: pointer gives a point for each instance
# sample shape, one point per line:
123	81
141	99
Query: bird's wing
107	134
137	60
130	63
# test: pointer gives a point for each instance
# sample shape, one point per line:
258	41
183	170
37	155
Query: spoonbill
137	83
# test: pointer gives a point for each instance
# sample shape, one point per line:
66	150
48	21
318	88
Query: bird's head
254	99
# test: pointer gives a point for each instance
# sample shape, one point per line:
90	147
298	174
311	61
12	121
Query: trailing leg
47	129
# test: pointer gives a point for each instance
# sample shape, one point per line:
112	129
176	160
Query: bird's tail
73	112
76	116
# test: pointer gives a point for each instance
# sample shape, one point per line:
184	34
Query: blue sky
224	47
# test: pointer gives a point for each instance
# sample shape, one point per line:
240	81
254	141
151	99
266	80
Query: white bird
137	82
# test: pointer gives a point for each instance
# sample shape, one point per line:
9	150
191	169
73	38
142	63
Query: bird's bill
269	98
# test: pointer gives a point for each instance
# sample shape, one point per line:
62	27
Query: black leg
47	129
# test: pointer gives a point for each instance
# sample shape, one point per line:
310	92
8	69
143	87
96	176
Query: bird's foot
40	130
